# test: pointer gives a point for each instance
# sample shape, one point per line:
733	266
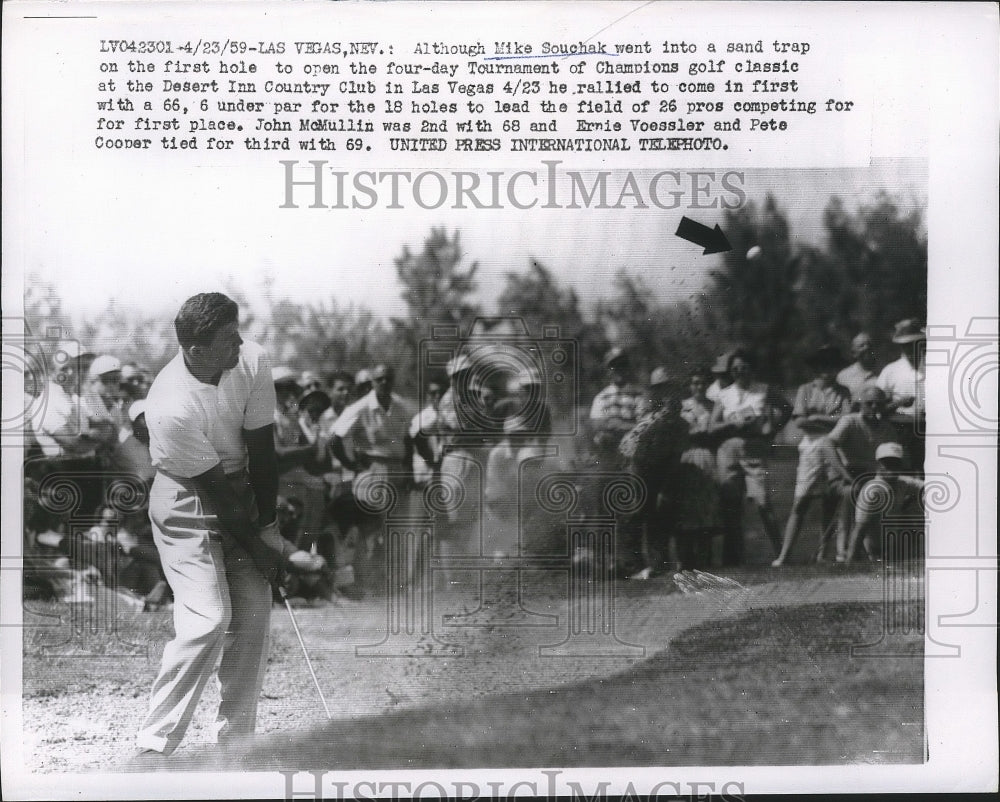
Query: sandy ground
80	714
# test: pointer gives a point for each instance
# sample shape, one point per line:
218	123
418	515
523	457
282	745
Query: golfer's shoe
146	760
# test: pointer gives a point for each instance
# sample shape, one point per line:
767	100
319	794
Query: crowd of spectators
87	479
702	452
699	442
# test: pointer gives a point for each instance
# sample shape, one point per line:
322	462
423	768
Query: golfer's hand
269	561
271	536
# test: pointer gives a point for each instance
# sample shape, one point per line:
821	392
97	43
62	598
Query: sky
156	236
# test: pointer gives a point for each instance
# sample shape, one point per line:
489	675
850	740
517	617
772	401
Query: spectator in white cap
722	378
889	494
100	403
310	381
861	372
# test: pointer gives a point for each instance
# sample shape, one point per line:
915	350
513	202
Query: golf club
302	643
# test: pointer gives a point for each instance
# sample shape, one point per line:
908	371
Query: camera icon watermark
48	363
503	379
973	364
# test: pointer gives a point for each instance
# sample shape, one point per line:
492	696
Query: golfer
210	415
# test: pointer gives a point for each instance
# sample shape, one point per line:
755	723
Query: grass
773	687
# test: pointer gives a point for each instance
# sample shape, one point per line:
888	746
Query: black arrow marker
712	240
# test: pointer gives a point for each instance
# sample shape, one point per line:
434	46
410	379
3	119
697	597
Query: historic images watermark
323	785
320	184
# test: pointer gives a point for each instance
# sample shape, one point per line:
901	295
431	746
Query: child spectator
889	493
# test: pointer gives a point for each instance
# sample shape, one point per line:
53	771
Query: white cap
889	451
104	364
283	375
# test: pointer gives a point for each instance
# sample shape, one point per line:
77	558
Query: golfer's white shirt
195	426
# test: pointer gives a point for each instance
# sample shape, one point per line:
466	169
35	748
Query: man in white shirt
903	379
861	372
210	414
379	426
903	382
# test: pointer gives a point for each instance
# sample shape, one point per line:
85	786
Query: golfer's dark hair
339	376
202	316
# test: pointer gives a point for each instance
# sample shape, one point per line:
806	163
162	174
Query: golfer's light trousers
222	605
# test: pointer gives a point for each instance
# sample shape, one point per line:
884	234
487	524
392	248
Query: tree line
868	271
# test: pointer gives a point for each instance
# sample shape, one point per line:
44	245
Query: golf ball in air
754	253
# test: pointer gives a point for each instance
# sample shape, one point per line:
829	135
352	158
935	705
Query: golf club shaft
302	643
